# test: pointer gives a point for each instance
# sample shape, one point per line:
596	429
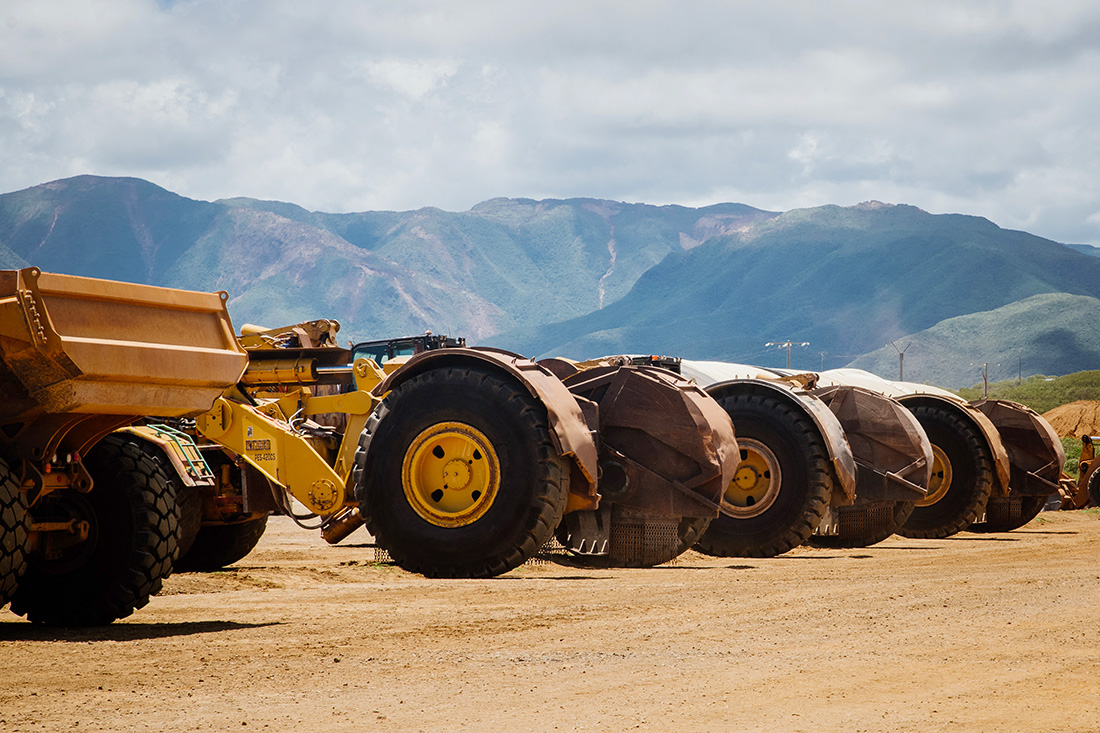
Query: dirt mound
1075	419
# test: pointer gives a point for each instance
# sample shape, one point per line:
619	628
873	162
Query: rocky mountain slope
584	277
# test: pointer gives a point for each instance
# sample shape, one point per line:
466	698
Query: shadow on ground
135	631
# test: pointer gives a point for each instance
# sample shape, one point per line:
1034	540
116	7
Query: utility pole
901	359
787	345
985	376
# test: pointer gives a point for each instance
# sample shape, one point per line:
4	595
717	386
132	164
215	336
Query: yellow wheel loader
461	462
1085	490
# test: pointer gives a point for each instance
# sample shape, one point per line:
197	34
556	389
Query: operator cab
400	350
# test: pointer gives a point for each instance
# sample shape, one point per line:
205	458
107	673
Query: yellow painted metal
309	334
77	344
281	371
756	482
80	357
940	482
451	474
278	452
181	451
356	406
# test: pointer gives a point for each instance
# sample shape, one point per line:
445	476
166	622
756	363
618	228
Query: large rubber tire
971	472
219	545
130	547
901	513
189	499
804	491
498	529
1094	488
688	532
14	526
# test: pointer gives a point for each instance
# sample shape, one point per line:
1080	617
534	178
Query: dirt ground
976	633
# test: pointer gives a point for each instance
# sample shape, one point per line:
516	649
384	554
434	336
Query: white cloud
970	106
414	79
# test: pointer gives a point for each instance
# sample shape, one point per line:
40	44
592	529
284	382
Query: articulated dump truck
878	458
135	420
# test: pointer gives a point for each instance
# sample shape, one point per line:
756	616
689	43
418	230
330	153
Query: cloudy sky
986	108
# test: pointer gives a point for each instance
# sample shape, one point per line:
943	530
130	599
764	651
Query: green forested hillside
846	280
121	228
1087	249
1039	392
506	264
585	277
1053	333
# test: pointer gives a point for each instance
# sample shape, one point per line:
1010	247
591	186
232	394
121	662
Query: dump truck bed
82	345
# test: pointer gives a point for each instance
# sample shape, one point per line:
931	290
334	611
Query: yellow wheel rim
756	481
451	474
941	477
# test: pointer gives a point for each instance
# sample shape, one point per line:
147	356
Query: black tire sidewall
134	535
971	476
189	499
515	425
1094	487
218	545
804	489
14	527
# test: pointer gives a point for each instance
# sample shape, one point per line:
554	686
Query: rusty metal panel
909	393
666	448
889	445
1035	452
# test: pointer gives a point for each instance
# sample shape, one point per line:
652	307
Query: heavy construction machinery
929	463
835	465
461	462
995	462
664	451
90	521
839	464
221	526
656	502
1085	489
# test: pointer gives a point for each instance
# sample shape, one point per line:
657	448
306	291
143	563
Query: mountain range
585	277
